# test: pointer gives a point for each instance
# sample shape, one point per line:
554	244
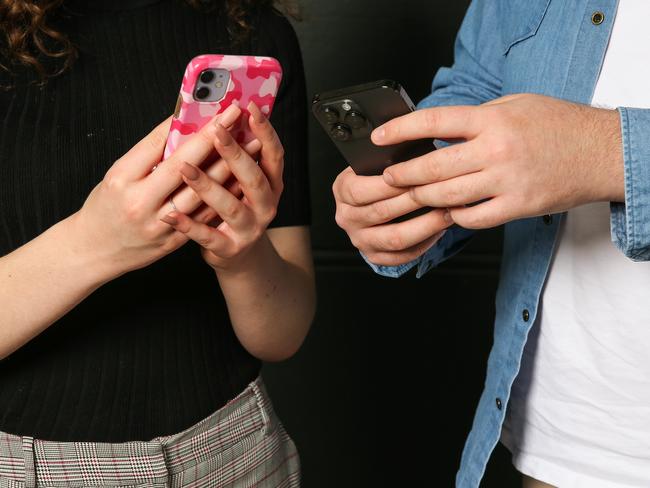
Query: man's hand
525	155
365	207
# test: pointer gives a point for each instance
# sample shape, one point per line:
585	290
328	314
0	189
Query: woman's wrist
90	257
249	263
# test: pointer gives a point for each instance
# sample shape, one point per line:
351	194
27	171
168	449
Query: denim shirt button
499	403
525	315
548	219
597	18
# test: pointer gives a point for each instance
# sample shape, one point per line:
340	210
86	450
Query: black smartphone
349	116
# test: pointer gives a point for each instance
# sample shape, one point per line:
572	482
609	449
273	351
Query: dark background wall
384	390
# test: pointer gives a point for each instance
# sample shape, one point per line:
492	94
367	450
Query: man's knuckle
414	195
451	195
431	118
373	257
338	187
340	219
456	154
380	211
335	188
432	169
473	221
393	242
353	196
480	220
358	240
500	149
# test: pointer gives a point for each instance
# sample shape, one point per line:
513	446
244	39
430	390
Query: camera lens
203	93
355	120
207	76
331	115
341	132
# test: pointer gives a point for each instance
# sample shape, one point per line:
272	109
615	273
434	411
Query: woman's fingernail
257	114
447	217
170	219
222	135
388	178
379	133
232	108
189	171
253	147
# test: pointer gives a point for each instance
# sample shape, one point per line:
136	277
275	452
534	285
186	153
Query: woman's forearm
43	280
271	302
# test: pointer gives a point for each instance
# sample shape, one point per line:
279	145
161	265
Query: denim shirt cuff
630	221
392	271
452	241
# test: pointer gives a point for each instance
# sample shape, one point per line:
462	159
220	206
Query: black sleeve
275	37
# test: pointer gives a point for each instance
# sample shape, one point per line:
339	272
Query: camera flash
346	106
218	84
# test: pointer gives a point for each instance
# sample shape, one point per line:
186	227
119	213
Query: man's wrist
611	183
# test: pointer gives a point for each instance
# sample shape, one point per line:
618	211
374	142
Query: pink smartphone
212	82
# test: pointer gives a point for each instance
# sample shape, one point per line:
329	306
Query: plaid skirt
241	445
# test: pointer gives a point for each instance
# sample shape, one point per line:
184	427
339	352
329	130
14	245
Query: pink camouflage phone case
251	78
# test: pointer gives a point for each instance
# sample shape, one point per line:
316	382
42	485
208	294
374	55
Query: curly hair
26	33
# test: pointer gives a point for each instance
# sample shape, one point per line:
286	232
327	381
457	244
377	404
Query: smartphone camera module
344	119
212	85
331	115
341	132
355	119
203	93
207	76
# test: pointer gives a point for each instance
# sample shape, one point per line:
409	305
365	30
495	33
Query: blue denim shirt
555	48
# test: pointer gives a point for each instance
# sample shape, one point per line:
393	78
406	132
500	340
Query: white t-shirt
579	415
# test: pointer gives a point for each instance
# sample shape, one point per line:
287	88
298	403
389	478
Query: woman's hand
120	220
118	229
266	277
245	220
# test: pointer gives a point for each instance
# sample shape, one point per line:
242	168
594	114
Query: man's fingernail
447	217
379	133
388	178
190	171
170	219
257	114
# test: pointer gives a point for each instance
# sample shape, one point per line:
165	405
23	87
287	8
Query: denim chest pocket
522	19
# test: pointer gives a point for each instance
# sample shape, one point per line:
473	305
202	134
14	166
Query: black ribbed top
152	352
